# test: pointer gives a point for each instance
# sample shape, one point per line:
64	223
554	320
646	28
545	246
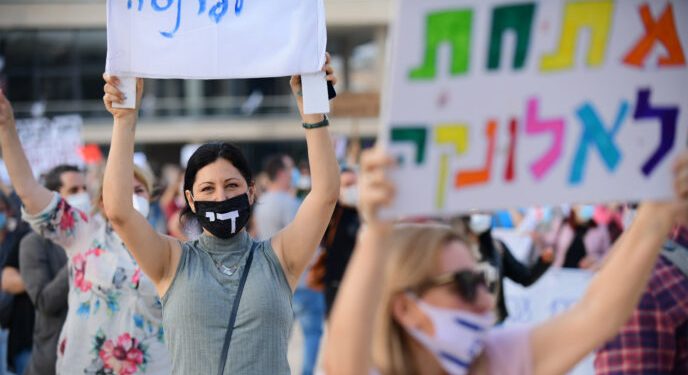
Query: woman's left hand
297	90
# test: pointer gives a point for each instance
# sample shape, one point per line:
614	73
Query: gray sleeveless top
197	306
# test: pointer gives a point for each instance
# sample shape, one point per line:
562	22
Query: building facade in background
52	56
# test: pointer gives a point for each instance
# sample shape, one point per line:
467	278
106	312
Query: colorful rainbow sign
497	104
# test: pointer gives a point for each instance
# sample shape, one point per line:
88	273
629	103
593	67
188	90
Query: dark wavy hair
208	154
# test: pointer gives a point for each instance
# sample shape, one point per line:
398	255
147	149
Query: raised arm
157	255
349	347
33	195
558	344
296	244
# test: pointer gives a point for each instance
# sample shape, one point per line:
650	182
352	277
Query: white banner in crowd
51	142
215	39
496	104
556	291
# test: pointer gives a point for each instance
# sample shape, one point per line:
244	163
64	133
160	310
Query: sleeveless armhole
274	259
182	259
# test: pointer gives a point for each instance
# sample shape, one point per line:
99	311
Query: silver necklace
229	271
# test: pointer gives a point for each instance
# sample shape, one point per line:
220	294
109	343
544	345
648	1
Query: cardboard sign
499	104
48	143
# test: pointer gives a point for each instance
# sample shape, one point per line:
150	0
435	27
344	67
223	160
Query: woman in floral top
114	323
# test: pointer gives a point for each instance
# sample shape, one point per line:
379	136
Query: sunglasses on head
466	283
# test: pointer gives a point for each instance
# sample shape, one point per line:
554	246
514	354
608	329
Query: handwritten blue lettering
158	8
238	6
140	4
216	12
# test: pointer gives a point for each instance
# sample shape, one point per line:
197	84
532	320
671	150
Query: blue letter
595	133
219	10
238	6
157	7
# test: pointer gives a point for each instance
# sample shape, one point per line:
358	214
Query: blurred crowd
34	276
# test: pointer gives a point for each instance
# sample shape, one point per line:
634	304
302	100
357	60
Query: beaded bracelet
325	122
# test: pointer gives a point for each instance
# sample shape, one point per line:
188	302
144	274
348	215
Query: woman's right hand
112	94
680	206
375	189
675	211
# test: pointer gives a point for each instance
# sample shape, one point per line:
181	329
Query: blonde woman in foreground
413	302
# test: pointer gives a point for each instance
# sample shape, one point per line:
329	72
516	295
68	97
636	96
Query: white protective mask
304	183
350	196
459	336
80	201
480	223
141	205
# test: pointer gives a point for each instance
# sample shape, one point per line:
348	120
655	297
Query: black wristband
324	122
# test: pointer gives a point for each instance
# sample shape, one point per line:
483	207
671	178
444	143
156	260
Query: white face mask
80	201
304	183
459	336
141	205
350	196
480	223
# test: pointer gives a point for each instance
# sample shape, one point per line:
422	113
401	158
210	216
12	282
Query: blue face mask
586	213
547	214
3	220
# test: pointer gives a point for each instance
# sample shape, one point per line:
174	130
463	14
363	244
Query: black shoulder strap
235	309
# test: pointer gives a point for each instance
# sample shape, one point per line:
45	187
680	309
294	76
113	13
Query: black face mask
224	219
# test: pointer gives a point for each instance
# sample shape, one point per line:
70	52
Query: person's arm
33	195
11	281
296	244
558	344
520	273
49	296
349	344
158	255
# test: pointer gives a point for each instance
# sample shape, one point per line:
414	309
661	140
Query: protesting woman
202	282
435	315
114	320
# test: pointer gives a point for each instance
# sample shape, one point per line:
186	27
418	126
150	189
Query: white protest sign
498	104
215	39
556	291
49	143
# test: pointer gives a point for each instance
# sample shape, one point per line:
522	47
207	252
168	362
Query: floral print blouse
114	322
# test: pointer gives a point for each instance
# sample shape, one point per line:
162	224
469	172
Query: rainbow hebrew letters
504	103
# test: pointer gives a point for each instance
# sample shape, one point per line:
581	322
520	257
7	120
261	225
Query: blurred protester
496	259
415	302
303	183
172	203
611	217
46	279
114	320
655	339
276	208
578	241
340	237
16	310
46	276
172	197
